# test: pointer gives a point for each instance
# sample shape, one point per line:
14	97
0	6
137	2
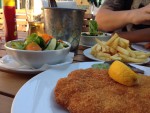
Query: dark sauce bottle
10	20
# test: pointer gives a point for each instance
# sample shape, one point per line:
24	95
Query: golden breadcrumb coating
93	91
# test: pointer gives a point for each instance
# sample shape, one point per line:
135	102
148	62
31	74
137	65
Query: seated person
131	16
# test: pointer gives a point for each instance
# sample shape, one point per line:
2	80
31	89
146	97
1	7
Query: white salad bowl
37	59
89	41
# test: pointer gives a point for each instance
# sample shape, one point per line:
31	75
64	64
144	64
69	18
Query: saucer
8	64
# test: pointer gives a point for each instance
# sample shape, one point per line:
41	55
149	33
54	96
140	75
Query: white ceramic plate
87	53
10	67
89	41
36	96
140	46
21	71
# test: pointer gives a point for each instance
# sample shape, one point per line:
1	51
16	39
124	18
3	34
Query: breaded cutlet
93	91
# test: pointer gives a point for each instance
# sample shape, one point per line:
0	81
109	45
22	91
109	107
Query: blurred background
20	4
20	10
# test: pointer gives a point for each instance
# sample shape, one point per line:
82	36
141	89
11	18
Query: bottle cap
9	2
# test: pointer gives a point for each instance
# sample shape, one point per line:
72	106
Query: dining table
11	82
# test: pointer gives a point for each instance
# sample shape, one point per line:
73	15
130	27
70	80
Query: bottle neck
52	3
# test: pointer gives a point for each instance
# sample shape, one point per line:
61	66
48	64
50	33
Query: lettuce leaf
93	27
101	66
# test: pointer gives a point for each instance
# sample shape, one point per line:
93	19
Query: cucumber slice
60	46
52	44
65	45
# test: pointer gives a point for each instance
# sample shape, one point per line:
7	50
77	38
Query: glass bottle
10	20
52	3
34	16
97	3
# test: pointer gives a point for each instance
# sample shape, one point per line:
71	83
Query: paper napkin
8	61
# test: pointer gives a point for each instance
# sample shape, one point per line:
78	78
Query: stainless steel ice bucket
64	24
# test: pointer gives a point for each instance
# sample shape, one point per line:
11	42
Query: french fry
114	44
116	57
140	52
93	48
103	58
112	39
112	50
108	49
103	54
117	48
101	44
132	54
121	43
125	41
104	42
142	56
131	59
93	51
122	50
104	47
147	54
97	48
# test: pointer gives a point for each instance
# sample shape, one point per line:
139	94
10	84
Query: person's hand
141	16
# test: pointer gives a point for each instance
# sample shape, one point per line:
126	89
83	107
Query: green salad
101	66
38	43
93	29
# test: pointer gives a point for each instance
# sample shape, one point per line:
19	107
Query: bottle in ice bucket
52	3
34	16
10	20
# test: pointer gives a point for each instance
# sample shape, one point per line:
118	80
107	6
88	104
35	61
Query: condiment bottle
52	3
10	20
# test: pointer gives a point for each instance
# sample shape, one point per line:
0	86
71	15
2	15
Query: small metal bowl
89	41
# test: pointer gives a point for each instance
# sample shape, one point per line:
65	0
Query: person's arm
142	35
110	20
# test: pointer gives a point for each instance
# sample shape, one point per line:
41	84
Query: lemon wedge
122	74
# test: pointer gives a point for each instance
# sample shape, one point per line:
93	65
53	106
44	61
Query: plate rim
41	74
66	73
19	70
93	58
109	34
134	46
31	71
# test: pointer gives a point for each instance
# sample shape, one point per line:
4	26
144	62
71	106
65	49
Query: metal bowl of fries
117	48
89	40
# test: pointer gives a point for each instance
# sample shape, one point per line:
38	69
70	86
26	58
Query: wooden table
10	83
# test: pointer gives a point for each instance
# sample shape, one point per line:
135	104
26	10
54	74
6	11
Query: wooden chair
20	19
22	24
1	19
